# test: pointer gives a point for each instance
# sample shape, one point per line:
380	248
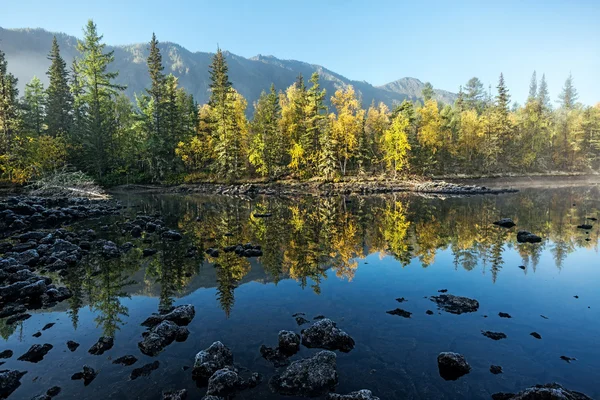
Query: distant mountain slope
26	51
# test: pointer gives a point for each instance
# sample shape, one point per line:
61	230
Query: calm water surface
347	259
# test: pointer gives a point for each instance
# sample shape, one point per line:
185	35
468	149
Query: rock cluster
455	304
324	334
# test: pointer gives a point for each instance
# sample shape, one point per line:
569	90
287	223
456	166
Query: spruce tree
157	83
98	94
315	122
503	98
9	118
427	91
34	107
532	88
267	147
543	95
568	97
59	98
475	96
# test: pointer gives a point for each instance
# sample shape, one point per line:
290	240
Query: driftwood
67	184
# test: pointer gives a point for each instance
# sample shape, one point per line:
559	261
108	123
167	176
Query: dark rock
359	395
125	360
9	382
252	253
494	335
126	247
213	252
400	312
72	345
161	336
144	370
325	335
42	397
48	326
149	252
274	356
35	289
210	360
6	354
61	245
455	304
53	391
264	215
585	226
136	231
443	291
536	335
568	359
549	391
505	223
103	344
60	294
85	245
504	315
523	267
17	318
37	334
175	395
310	377
36	353
429	312
224	382
576	296
5	247
401	300
289	342
318	317
21	247
452	365
110	250
88	375
496	369
527	237
172	235
29	257
592	218
33	235
12	309
181	315
301	320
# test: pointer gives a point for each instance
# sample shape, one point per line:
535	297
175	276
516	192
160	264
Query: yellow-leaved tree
346	126
395	145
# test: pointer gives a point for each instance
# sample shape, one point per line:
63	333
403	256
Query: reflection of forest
305	237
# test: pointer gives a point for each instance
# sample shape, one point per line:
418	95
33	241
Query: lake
348	259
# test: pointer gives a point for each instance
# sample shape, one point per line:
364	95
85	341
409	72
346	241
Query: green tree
427	91
9	118
475	95
97	94
543	95
315	121
267	147
568	97
532	88
59	98
34	107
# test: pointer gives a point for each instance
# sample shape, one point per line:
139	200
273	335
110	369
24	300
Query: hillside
26	51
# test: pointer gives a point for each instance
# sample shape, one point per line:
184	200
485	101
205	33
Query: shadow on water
347	259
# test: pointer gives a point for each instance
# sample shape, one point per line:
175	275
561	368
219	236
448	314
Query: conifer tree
315	122
9	93
34	107
427	91
543	96
267	149
59	98
532	88
156	92
568	97
475	96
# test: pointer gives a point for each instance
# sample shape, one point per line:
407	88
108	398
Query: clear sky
444	42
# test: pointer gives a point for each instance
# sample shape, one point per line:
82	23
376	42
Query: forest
83	121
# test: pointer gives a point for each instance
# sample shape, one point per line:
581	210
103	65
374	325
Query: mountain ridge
26	50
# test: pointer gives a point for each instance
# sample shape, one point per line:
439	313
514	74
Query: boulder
53	391
72	345
144	370
172	235
175	395
136	231
6	354
29	257
289	342
324	334
161	336
109	250
400	312
496	369
527	237
224	382
585	226
149	252
125	360
494	335
181	315
9	382
36	353
210	360
88	375
34	290
103	344
360	395
310	377
455	304
452	365
549	391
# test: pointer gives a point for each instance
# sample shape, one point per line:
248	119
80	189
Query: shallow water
348	260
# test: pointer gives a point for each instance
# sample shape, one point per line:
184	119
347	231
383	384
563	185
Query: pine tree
97	94
157	93
34	107
267	149
532	88
9	118
543	96
568	97
315	121
60	100
475	96
427	91
460	100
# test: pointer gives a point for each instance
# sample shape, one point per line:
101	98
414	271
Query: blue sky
444	42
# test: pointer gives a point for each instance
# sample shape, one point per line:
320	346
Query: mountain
26	51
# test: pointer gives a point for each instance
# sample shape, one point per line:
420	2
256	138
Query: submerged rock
455	304
568	359
495	369
400	312
53	391
310	377
494	335
527	237
88	375
36	353
549	391
72	345
125	360
325	335
161	336
48	326
504	315
452	365
181	315
300	320
360	395
536	335
505	223
175	395
9	382
289	342
6	354
144	370
224	382
274	356
210	360
149	252
103	344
